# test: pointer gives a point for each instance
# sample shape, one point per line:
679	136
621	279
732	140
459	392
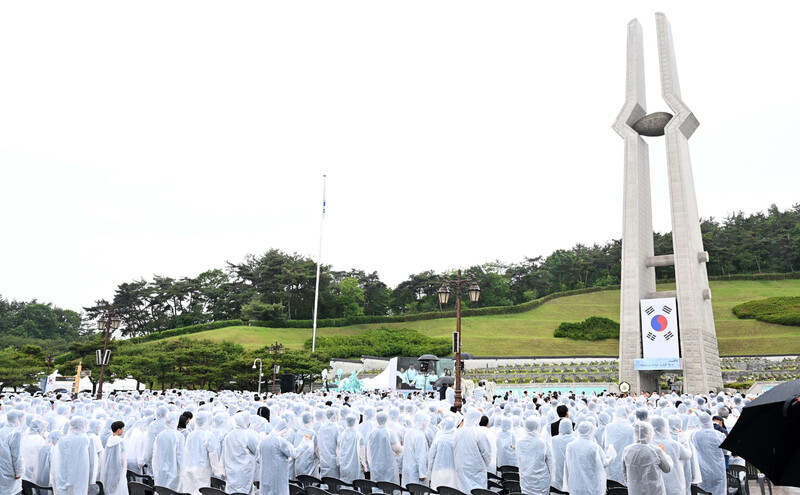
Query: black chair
210	490
617	490
493	476
494	486
29	488
296	490
613	484
308	480
314	490
556	491
696	490
755	475
390	488
257	484
136	488
510	476
449	490
145	479
508	469
100	489
163	490
334	484
365	486
482	491
511	486
417	489
737	485
217	483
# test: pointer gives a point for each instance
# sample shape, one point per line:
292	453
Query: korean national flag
659	328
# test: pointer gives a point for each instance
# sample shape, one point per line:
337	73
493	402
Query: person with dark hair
263	411
563	412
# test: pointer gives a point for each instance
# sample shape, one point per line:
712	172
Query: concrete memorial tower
664	331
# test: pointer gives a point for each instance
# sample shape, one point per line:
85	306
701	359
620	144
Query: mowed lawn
531	333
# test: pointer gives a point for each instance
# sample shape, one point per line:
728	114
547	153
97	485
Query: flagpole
319	263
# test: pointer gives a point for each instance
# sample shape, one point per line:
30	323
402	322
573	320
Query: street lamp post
106	322
274	350
260	373
444	295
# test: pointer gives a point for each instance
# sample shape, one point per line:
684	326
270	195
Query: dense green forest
277	285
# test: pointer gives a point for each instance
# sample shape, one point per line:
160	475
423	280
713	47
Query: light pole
274	350
106	322
260	373
444	295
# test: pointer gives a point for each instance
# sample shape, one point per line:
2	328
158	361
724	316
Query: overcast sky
141	138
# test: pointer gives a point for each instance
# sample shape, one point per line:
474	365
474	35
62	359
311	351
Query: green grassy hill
531	333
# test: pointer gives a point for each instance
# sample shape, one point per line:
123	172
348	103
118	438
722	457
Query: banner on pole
659	328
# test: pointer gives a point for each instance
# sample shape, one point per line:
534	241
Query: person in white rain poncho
560	442
114	462
11	466
711	458
619	433
415	451
32	443
506	444
535	460
168	455
472	453
643	463
275	452
441	461
239	451
585	463
72	461
307	462
679	453
200	459
351	453
135	444
327	437
45	455
153	430
382	445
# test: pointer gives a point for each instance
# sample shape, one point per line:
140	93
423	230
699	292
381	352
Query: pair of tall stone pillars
698	340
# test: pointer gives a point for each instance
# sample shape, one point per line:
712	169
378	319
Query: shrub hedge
779	310
592	328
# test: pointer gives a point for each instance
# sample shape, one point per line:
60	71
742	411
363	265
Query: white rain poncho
72	461
382	445
643	463
45	455
602	421
135	444
114	467
472	453
415	451
560	442
32	443
327	437
535	460
675	480
619	433
585	463
153	430
367	425
307	462
275	451
200	459
351	453
168	455
441	462
239	450
11	465
711	458
506	444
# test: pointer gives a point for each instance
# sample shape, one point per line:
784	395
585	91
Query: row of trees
277	285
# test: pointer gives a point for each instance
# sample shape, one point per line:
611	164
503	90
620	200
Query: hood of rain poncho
77	426
565	427
532	426
704	420
585	429
660	426
642	432
381	418
350	421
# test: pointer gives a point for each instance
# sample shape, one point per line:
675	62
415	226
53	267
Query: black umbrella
445	380
767	434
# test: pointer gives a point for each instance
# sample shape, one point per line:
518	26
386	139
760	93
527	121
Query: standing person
535	461
441	461
472	453
32	442
307	462
584	468
643	464
200	456
239	450
415	451
45	456
114	462
350	452
275	453
72	462
711	458
563	412
675	480
565	436
506	444
382	445
619	433
153	430
327	438
168	455
11	466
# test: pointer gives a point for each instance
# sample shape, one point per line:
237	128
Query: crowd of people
653	444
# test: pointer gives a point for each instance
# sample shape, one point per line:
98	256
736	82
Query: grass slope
531	333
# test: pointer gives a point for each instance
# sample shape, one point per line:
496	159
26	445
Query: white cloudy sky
141	138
